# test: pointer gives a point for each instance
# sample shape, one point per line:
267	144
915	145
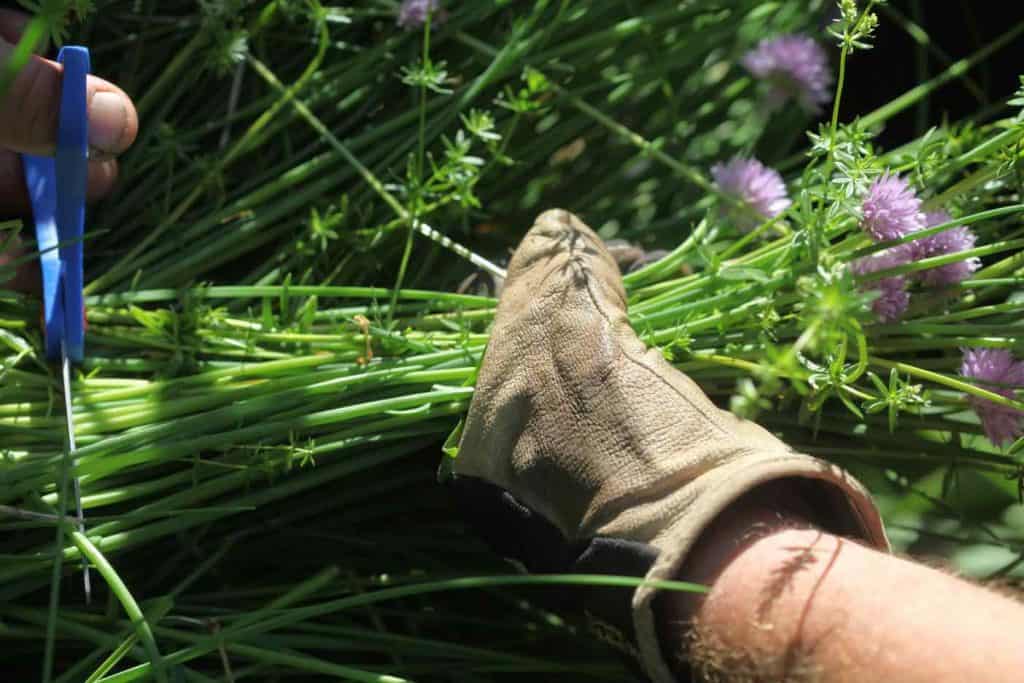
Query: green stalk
955	70
127	261
311	664
270	621
58	559
124	596
950	382
415	198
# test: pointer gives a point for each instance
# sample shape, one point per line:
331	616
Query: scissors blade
65	371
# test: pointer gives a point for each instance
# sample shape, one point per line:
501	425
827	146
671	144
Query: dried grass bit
363	323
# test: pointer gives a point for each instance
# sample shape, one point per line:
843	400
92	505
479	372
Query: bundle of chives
225	428
249	395
200	406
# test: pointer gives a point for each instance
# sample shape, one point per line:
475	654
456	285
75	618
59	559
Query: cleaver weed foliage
285	316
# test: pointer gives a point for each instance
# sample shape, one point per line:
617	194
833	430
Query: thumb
29	109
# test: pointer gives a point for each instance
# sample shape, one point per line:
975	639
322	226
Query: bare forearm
800	604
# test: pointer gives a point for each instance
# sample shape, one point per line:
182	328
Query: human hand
585	451
28	124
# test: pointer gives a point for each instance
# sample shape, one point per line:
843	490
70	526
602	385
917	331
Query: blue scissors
56	186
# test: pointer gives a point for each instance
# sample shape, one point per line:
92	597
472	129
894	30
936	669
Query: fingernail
107	119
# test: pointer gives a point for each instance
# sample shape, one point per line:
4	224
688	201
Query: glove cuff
832	499
838	504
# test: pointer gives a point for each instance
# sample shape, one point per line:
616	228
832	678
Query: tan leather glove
585	451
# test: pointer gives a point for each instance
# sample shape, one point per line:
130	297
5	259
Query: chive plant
277	350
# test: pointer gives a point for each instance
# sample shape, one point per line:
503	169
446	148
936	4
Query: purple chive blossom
759	187
413	13
794	66
950	241
1002	424
893	298
891	209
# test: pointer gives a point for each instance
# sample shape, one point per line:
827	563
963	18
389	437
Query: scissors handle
57	189
72	175
40	175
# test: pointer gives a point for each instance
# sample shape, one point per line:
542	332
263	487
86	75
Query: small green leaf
267	318
451	444
850	404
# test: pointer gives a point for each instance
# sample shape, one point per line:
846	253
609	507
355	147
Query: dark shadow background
958	29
